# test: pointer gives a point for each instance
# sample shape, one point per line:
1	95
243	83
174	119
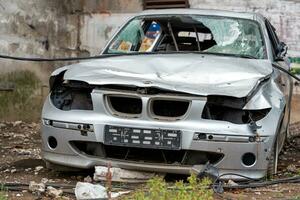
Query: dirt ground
20	162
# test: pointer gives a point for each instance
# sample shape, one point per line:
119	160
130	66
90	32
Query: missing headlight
72	97
224	111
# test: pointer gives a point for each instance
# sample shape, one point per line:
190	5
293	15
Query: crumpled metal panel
191	73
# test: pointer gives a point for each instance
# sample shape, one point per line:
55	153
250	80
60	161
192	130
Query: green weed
3	193
158	189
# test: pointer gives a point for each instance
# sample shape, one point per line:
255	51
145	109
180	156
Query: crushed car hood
198	74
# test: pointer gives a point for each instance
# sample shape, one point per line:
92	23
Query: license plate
143	138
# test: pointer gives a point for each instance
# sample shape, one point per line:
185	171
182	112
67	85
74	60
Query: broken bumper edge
82	162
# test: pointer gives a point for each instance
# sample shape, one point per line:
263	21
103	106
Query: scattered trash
36	187
232	183
44	180
257	193
84	191
117	194
38	168
292	168
17	123
2	125
88	179
54	193
28	169
121	175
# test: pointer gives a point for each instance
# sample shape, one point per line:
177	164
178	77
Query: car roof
210	12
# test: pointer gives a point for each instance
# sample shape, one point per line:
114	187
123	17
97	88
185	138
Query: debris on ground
17	123
84	191
54	193
44	180
38	188
232	183
121	175
38	168
88	179
20	161
292	168
118	194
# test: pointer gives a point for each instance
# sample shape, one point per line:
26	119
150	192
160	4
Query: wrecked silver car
175	89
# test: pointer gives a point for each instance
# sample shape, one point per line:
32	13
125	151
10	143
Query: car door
284	81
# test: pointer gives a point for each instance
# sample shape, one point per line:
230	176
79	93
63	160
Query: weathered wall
57	28
37	29
97	29
101	18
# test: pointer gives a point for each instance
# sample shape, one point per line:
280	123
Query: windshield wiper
225	54
183	52
247	56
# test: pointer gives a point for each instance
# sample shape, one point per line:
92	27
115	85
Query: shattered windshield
190	33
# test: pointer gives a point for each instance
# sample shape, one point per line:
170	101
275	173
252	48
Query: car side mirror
282	51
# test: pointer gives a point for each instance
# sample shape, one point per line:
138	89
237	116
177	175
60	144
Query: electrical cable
254	184
56	185
295	179
275	65
66	188
219	188
233	174
57	59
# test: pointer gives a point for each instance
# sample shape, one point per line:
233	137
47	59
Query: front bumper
229	140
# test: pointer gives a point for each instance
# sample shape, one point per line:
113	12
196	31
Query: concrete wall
97	29
37	29
57	28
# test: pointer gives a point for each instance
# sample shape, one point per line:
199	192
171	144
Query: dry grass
25	102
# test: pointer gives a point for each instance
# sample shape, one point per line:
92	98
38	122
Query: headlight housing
73	95
231	109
